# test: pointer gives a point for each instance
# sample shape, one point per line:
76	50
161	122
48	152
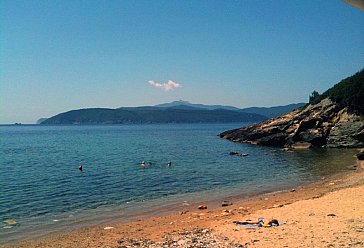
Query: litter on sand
259	223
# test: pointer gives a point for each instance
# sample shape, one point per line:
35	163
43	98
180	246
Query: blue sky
61	55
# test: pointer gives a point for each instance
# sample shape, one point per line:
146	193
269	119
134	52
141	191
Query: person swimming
142	164
169	163
80	167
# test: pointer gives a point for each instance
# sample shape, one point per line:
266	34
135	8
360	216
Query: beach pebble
202	207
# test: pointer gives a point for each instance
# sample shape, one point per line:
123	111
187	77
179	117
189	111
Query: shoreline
216	219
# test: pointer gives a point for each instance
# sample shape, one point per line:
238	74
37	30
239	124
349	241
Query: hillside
195	105
151	115
331	120
273	111
40	120
347	93
266	111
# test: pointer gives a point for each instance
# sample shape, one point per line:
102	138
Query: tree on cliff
314	97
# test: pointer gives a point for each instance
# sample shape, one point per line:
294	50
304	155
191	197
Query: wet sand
328	213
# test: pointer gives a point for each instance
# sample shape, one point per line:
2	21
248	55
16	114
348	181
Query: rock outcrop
324	124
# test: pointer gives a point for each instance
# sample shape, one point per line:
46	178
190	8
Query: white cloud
170	85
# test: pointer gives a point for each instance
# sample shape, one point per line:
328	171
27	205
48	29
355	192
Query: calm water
42	190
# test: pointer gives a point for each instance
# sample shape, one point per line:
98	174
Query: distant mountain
273	111
139	115
266	111
40	120
174	112
194	105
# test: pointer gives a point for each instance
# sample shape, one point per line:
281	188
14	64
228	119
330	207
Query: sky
56	55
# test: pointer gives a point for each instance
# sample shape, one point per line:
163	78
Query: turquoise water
43	190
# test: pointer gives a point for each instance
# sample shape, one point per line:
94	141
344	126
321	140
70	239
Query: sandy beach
328	213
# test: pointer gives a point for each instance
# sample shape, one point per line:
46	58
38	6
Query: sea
42	190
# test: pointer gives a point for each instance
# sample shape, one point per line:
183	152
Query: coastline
218	221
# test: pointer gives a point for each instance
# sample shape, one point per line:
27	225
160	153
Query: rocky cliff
324	124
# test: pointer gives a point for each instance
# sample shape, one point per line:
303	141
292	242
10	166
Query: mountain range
182	103
174	112
265	111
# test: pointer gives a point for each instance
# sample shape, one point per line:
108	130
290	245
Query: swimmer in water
80	167
142	165
169	163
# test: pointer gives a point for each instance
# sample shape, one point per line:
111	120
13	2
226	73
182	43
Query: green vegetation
347	93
